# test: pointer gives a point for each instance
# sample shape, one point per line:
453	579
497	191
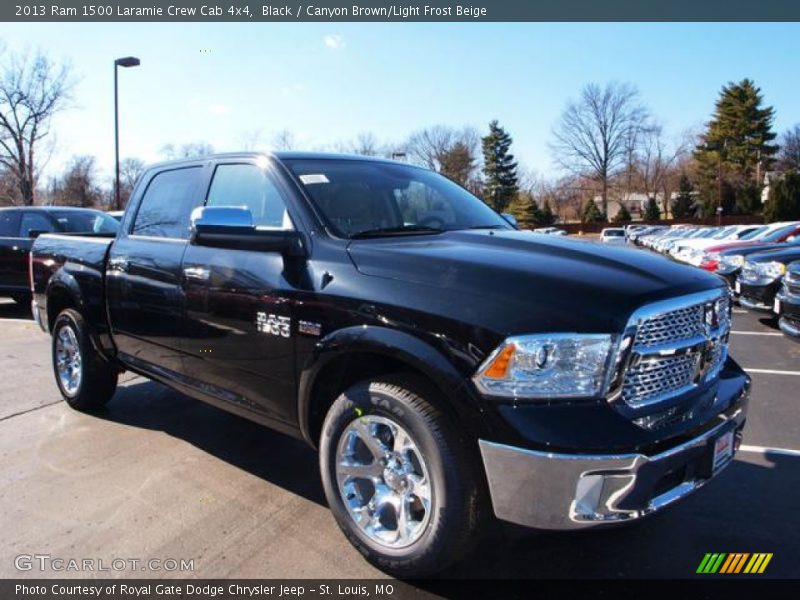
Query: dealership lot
160	476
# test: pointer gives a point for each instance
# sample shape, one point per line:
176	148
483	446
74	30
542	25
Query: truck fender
62	283
419	355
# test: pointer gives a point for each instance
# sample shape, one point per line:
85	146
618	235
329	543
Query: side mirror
232	227
510	218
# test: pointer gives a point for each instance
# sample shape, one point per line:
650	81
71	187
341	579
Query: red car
775	233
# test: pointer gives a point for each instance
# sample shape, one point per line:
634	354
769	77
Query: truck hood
536	281
788	253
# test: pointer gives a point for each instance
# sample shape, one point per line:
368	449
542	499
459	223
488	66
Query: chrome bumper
572	491
752	305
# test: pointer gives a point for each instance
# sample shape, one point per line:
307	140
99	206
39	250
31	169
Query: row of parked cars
761	263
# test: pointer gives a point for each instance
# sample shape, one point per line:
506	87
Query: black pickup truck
446	365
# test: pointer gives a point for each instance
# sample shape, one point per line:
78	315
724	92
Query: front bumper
547	490
758	296
789	321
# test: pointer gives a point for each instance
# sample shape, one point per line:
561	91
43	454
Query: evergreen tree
525	211
457	163
499	168
736	139
622	216
651	211
547	217
683	206
748	200
784	201
592	214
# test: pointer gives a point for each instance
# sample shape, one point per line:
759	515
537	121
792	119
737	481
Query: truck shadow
751	507
270	455
11	310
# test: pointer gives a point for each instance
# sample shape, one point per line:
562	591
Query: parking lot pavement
158	475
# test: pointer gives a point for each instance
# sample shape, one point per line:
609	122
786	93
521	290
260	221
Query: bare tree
32	90
428	146
189	150
283	140
789	157
594	132
78	185
130	169
365	144
657	164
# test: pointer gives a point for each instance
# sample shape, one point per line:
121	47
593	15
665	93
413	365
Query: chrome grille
676	345
673	326
792	283
658	376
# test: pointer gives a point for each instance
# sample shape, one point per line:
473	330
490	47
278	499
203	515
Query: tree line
608	146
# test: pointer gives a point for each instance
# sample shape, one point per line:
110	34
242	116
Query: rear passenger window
251	187
32	221
167	202
9	223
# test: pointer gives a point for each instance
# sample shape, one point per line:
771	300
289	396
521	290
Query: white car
691	250
613	235
550	231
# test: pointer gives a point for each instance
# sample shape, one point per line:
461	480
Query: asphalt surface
160	476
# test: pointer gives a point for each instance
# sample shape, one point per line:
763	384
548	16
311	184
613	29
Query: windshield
749	235
613	233
359	198
85	221
778	233
725	232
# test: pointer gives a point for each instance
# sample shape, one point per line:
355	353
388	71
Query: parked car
20	225
613	235
762	276
446	365
691	251
729	263
550	231
775	233
641	236
787	302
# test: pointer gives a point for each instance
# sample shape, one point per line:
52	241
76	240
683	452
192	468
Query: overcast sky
221	83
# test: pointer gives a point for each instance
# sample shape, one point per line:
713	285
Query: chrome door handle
118	264
197	273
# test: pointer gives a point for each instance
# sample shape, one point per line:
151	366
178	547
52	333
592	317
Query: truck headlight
555	365
770	270
729	264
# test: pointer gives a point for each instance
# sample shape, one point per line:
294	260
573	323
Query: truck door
143	276
238	330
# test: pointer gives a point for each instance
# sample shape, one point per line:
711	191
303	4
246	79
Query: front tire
85	380
399	481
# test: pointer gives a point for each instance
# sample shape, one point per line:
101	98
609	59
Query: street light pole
128	61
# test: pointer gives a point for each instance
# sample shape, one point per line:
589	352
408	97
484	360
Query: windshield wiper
495	226
402	230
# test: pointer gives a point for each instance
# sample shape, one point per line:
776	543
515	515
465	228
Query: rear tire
401	484
85	380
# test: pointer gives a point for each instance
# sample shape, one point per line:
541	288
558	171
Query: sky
226	83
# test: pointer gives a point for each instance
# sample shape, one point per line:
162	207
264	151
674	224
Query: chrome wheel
68	360
383	480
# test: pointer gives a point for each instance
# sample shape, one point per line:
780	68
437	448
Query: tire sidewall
364	399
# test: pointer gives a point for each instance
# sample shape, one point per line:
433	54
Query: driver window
250	186
420	204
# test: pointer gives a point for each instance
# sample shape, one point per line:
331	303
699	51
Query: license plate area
776	307
723	452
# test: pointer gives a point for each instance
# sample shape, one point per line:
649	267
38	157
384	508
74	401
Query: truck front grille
676	346
792	283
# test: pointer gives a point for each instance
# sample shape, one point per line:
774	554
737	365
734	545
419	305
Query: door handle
197	273
118	264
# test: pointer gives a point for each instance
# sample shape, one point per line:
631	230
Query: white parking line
767	333
738	311
772	372
765	450
17	320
